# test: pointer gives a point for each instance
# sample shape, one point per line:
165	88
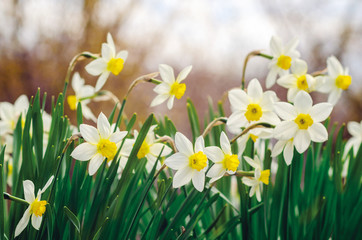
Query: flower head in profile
224	160
170	87
83	95
337	80
301	123
101	143
283	56
251	107
190	162
355	129
298	80
9	114
109	62
36	208
151	149
260	177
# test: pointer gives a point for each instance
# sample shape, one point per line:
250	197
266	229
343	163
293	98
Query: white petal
249	181
278	148
156	149
285	111
117	136
162	89
23	222
177	161
21	104
318	133
334	96
36	221
182	177
29	191
47	184
183	74
103	126
101	80
301	141
303	102
198	180
107	52
287	81
87	113
95	163
292	93
238	99
110	42
251	162
354	128
290	47
96	67
334	66
166	73
84	152
275	46
159	99
170	102
270	117
299	67
285	130
122	54
199	144
216	171
255	91
214	154
288	152
258	197
235	122
270	79
321	111
242	142
89	133
225	144
183	145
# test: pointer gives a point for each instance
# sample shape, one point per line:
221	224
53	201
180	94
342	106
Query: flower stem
251	54
214	123
145	78
15	199
71	66
256	125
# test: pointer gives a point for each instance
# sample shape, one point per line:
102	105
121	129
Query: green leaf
72	218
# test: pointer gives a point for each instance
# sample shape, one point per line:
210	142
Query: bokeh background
38	38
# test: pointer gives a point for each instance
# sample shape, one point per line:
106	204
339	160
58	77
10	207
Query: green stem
15	199
215	122
256	125
265	56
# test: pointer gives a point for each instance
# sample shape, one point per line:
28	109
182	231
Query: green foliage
302	201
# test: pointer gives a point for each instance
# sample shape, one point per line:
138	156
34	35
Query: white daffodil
337	80
298	81
224	159
170	87
9	114
282	59
151	149
83	95
302	122
109	62
124	155
101	143
190	162
260	176
36	207
251	107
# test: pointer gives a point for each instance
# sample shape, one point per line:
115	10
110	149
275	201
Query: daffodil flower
83	93
355	129
224	160
36	208
337	81
170	87
251	107
190	162
282	59
256	135
109	62
101	143
302	121
9	114
260	177
151	149
298	80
